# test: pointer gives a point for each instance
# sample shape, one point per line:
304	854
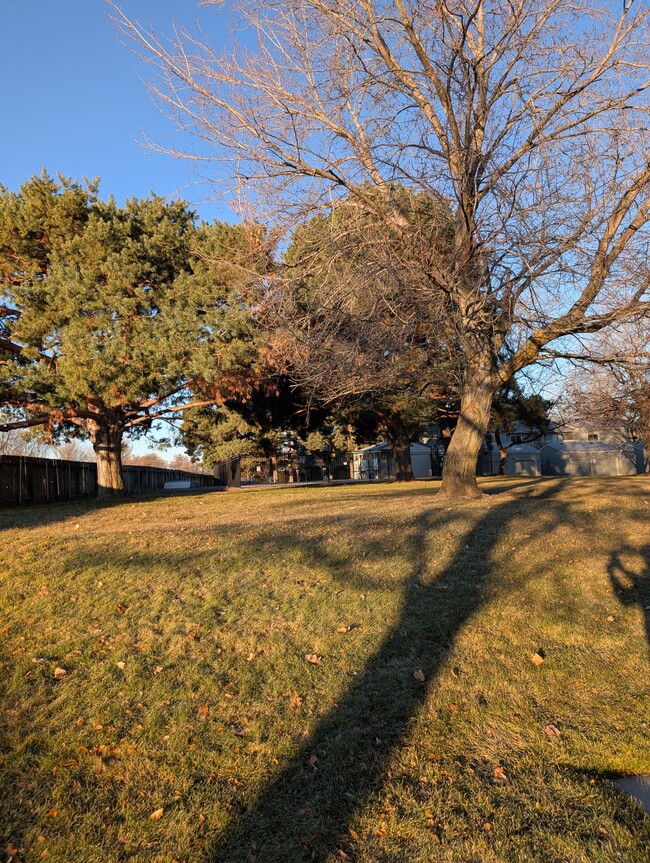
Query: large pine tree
115	317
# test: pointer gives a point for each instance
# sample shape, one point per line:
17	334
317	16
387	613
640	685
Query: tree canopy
529	118
119	316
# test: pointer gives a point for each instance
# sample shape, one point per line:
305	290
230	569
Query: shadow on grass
41	513
305	813
632	581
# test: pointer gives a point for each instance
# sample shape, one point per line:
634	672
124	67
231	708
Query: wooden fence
32	480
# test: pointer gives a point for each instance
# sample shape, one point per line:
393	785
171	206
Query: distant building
377	462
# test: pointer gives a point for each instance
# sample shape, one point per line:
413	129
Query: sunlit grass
183	625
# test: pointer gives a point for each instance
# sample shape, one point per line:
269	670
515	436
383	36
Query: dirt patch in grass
328	674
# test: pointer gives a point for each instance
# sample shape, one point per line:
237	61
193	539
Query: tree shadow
304	814
632	581
42	513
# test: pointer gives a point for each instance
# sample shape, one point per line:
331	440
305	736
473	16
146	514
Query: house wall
624	461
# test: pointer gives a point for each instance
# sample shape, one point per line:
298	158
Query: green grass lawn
349	673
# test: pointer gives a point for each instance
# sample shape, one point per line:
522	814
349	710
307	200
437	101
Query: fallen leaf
419	675
552	731
157	669
537	659
12	853
59	673
295	701
157	815
314	658
500	774
610	619
52	813
121	665
203	712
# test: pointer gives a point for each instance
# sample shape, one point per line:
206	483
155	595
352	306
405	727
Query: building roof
416	446
589	446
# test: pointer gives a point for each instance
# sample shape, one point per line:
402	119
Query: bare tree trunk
503	453
400	443
106	439
459	469
402	455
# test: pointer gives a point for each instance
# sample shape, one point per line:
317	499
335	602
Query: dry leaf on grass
12	853
313	658
552	731
157	815
419	675
537	659
500	774
59	673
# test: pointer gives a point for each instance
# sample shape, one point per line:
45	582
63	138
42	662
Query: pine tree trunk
459	469
503	453
400	443
402	455
107	445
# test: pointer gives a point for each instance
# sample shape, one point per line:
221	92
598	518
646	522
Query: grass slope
190	726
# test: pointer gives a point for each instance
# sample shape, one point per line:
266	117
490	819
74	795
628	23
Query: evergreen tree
119	316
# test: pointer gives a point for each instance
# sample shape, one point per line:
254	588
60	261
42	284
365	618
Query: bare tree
183	462
75	450
614	390
530	116
17	443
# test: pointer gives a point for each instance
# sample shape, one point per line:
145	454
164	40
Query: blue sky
73	98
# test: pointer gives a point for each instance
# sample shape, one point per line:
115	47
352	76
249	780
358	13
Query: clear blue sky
73	98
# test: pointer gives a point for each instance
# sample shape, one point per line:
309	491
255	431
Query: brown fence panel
31	480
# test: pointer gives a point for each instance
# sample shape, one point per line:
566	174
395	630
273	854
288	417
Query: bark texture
459	469
107	445
400	443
